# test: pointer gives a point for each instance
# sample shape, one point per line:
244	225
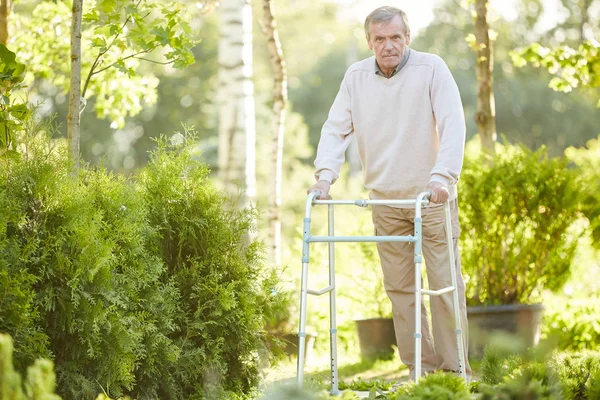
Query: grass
351	368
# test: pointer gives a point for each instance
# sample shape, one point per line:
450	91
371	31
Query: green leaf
98	42
162	35
19	111
107	6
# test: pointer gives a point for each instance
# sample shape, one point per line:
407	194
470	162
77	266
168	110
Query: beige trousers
439	352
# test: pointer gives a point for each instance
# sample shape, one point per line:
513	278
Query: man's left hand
439	192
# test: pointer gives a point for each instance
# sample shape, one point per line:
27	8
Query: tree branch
100	54
154	61
121	59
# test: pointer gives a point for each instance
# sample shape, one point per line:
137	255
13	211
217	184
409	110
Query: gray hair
385	14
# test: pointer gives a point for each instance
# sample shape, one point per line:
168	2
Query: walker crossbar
314	239
417	239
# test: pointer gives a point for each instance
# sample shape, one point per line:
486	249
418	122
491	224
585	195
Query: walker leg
303	296
332	308
418	293
457	323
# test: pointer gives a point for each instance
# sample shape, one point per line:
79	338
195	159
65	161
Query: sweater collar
398	67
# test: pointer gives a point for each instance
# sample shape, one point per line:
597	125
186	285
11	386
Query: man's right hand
320	186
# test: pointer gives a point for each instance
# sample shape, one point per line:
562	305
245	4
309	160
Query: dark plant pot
376	338
521	324
291	344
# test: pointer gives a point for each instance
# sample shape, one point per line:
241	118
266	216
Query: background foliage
519	210
133	287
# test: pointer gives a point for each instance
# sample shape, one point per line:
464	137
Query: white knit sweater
410	128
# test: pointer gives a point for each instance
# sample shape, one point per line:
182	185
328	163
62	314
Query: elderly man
405	111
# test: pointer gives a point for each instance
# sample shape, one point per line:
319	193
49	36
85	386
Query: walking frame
421	200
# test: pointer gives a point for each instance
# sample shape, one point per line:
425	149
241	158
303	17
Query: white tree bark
352	153
486	108
278	127
73	118
237	130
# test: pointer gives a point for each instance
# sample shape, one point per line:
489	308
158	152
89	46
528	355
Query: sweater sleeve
450	121
335	136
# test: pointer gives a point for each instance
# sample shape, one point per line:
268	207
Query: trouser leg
397	262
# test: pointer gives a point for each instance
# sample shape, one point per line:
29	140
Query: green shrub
148	287
82	250
578	373
574	326
588	161
517	390
438	386
518	210
497	365
217	269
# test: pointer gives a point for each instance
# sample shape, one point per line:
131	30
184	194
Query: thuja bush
79	249
206	245
579	374
438	386
559	375
149	287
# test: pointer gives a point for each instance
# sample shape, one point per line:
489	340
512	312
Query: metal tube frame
417	239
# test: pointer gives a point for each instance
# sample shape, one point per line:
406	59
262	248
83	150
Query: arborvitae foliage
80	250
579	374
497	365
438	386
149	287
217	268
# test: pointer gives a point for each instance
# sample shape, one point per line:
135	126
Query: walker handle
318	194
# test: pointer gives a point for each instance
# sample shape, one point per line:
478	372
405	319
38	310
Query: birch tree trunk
352	155
486	109
4	14
584	6
269	28
73	118
237	131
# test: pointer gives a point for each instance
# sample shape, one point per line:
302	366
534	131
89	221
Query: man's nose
388	44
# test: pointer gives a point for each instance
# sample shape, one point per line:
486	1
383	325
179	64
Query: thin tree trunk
73	118
4	14
584	5
237	131
278	127
486	109
352	155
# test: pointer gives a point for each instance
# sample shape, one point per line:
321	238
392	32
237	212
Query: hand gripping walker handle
318	195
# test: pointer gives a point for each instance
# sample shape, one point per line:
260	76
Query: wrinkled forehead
389	27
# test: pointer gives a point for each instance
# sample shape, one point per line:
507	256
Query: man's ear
407	38
369	43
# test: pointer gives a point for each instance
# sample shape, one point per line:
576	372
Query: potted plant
519	214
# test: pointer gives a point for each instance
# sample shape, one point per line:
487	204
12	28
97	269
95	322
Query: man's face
388	40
